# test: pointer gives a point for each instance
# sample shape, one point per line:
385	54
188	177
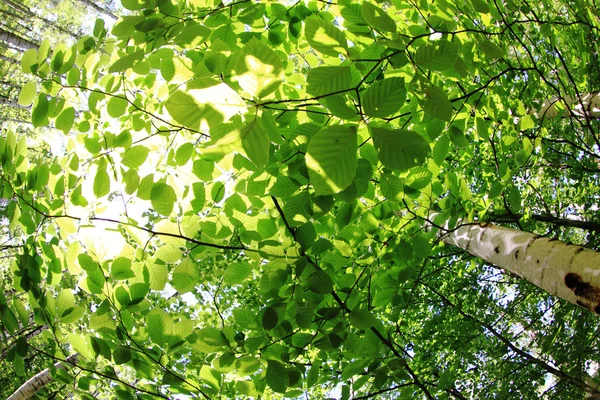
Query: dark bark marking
517	255
581	288
579	250
497	249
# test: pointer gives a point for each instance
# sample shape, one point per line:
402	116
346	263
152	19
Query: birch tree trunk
99	9
16	41
587	106
18	7
29	388
567	271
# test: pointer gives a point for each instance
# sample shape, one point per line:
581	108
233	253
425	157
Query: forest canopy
303	199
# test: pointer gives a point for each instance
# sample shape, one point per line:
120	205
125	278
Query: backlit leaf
277	376
436	104
163	198
331	159
324	37
259	70
384	98
399	148
378	18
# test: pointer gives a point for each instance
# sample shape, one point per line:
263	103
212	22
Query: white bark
16	41
567	271
102	10
589	106
29	388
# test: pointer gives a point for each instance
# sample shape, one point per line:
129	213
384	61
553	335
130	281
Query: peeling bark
567	271
29	388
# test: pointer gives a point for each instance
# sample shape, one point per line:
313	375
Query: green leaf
324	37
158	324
205	103
163	198
338	107
251	139
65	119
116	106
270	318
458	137
440	150
384	98
306	235
320	282
184	153
330	80
377	18
39	114
399	149
514	198
8	319
65	302
277	376
481	6
362	319
121	355
185	276
121	269
236	272
135	156
216	56
101	181
437	57
217	192
29	61
127	61
192	36
27	94
331	159
491	49
259	70
437	104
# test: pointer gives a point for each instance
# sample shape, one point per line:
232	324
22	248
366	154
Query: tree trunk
588	106
29	388
16	41
11	103
49	24
18	7
567	271
9	59
99	9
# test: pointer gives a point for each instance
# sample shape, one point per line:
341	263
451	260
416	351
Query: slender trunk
9	59
586	106
29	388
49	24
19	28
18	7
11	103
101	10
16	41
567	271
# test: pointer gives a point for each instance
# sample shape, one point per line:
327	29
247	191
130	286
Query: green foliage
238	206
